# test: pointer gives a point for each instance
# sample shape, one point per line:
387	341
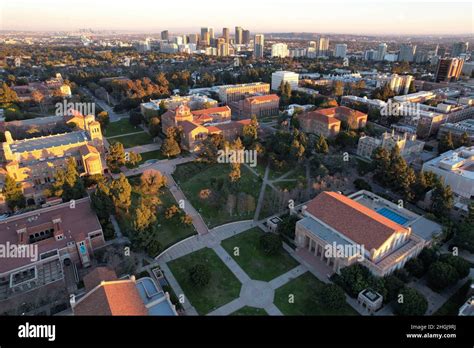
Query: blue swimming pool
390	214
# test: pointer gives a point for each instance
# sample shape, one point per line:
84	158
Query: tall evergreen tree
13	194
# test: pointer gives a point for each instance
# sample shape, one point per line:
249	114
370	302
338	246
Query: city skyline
340	17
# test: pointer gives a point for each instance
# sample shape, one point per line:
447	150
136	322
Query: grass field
121	127
222	288
128	141
151	155
303	291
253	260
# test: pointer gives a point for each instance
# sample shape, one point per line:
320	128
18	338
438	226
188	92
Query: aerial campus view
263	158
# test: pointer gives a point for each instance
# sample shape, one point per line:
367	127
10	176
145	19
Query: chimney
22	239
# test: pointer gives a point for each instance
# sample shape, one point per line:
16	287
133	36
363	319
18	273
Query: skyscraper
238	35
205	36
222	47
407	53
340	50
449	69
165	35
226	35
246	37
459	48
323	46
259	44
381	51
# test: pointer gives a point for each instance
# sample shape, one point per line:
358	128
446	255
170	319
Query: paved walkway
144	148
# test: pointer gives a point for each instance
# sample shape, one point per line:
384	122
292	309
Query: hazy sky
331	16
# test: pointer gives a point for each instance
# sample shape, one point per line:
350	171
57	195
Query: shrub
413	303
461	265
441	275
415	267
200	275
361	184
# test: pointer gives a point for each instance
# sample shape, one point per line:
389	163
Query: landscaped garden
254	260
306	295
220	287
218	200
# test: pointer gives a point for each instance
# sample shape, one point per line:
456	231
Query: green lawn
151	155
250	311
195	177
304	290
121	127
223	287
128	141
253	261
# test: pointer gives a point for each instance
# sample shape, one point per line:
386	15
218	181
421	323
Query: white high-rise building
280	50
323	46
340	51
381	51
284	76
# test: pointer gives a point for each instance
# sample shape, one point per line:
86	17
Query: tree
331	296
151	181
121	192
133	159
354	279
415	267
442	199
250	132
101	202
446	143
68	184
104	119
200	275
338	88
413	303
361	184
143	216
270	243
321	145
441	275
171	212
154	126
235	173
393	285
170	146
285	93
461	265
13	194
116	157
7	95
381	162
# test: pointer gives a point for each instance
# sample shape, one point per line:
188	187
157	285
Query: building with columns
341	230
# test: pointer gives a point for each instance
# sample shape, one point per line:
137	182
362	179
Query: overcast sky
331	16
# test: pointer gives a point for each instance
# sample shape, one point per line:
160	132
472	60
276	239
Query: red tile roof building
197	125
327	122
379	231
65	231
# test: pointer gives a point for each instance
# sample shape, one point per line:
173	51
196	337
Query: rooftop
46	142
355	221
